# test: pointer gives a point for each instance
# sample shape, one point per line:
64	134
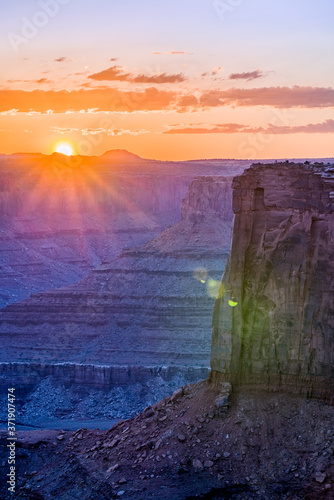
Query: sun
65	148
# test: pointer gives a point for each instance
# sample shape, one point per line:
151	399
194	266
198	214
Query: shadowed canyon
141	270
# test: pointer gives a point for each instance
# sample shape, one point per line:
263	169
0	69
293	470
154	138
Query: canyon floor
261	446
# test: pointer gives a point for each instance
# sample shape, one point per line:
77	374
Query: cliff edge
273	321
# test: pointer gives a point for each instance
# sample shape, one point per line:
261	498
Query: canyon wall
63	395
273	321
150	306
61	217
90	375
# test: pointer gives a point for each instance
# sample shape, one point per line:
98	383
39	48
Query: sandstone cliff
273	321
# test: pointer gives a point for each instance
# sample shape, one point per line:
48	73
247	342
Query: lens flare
212	287
201	274
232	303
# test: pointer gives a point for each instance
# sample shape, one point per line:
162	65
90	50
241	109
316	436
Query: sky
172	80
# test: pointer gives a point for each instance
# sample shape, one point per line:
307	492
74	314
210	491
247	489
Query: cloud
39	81
217	70
326	127
113	59
61	59
251	75
10	112
162	78
188	100
155	99
231	128
62	101
115	132
214	72
64	130
226	128
93	131
173	52
278	97
42	80
96	131
116	73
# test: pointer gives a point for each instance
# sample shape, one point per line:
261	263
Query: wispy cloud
173	53
100	130
93	131
250	75
278	97
116	73
61	59
214	72
225	128
155	99
39	81
160	78
62	101
64	130
42	80
325	127
115	131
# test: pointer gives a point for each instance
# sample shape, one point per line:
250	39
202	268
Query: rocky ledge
260	446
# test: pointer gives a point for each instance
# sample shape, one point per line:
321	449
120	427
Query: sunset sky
174	80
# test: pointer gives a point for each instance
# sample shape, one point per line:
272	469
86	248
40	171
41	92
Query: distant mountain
25	155
120	155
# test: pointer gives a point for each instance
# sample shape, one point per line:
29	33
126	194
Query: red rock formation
273	322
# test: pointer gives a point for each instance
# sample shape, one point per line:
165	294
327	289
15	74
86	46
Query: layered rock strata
273	321
61	217
71	395
150	306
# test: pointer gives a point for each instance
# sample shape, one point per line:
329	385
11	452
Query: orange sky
177	81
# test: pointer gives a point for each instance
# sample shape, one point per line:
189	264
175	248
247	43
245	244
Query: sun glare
64	148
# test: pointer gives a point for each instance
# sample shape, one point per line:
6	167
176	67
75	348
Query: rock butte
281	277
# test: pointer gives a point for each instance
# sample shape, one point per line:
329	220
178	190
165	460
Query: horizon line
166	160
